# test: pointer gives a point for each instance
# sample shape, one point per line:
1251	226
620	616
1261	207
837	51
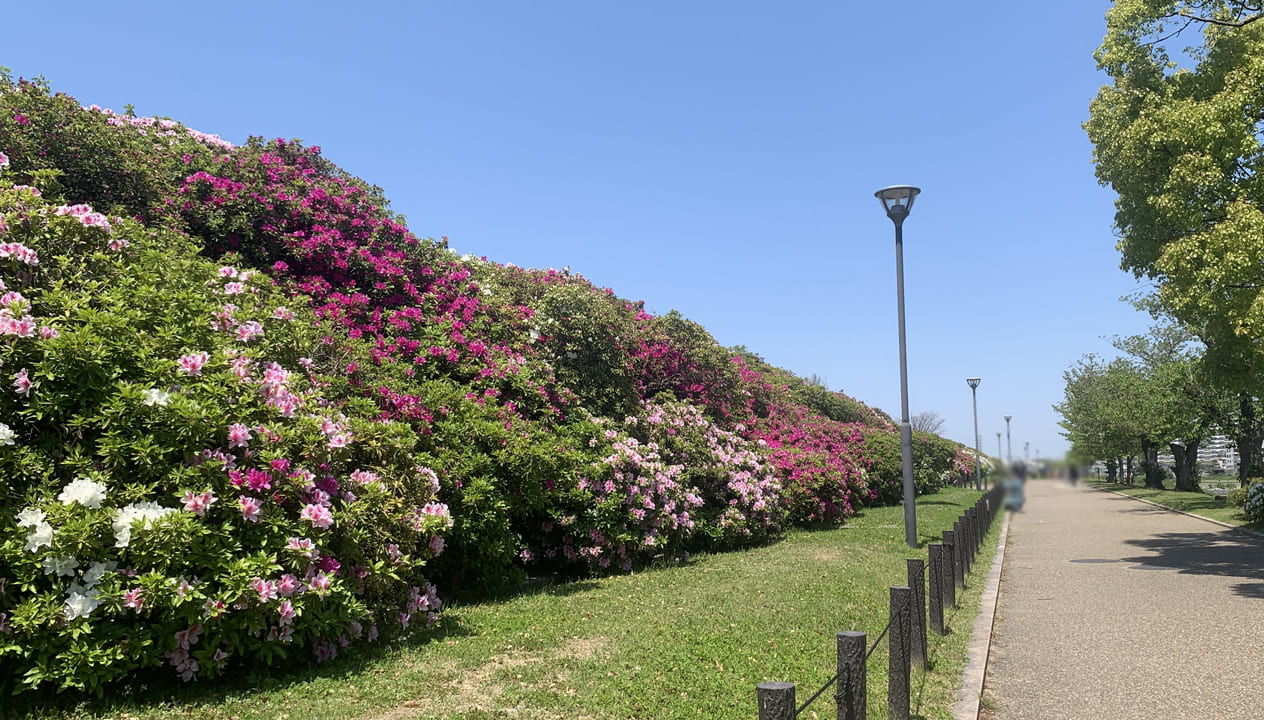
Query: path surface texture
1114	609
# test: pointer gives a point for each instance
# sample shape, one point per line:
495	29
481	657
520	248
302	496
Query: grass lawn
689	641
1196	503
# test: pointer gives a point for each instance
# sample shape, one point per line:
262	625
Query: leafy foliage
251	414
180	489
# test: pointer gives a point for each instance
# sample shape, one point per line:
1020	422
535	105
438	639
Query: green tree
1110	412
1178	135
1187	406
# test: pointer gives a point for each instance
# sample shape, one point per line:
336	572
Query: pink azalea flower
22	384
192	364
258	480
266	589
438	510
198	503
19	252
234	288
251	508
249	331
238	435
319	584
288	585
319	516
286	611
302	546
188	638
134	598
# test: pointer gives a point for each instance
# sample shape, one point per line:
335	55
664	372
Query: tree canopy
1178	136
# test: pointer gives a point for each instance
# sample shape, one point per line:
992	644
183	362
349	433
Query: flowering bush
118	163
740	491
936	462
678	356
181	489
232	460
1254	507
819	461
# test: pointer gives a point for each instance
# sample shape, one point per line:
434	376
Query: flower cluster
334	403
149	554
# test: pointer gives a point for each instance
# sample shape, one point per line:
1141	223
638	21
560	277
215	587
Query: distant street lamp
1026	450
897	201
1009	449
998	445
974	396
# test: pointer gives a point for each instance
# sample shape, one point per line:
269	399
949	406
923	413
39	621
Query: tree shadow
1224	553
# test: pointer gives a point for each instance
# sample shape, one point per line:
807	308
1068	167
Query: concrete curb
970	690
1221	523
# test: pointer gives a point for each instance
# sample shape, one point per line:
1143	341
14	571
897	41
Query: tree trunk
1186	466
1150	464
1129	476
1112	470
1250	433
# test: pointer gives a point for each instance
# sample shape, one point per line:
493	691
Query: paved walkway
1112	608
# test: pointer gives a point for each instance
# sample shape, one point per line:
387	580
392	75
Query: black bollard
776	700
937	591
899	641
917	583
852	696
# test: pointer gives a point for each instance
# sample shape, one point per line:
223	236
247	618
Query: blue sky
717	158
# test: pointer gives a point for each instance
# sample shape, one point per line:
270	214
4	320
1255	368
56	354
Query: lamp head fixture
973	382
897	201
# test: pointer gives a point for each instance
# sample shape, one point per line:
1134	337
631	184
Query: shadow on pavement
1232	554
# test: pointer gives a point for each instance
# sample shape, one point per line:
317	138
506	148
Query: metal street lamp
974	395
1009	449
1026	450
998	445
897	201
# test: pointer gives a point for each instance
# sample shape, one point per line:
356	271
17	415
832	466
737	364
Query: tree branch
1169	36
1215	21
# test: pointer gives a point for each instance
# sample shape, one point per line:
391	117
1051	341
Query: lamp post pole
1009	449
974	396
897	200
999	454
1026	450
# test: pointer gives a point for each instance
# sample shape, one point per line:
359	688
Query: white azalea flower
60	566
81	601
31	517
41	536
142	512
6	435
154	396
83	491
96	571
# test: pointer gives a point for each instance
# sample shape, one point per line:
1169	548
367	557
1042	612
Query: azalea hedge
253	420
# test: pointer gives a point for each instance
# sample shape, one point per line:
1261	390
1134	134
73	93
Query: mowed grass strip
688	641
1197	503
